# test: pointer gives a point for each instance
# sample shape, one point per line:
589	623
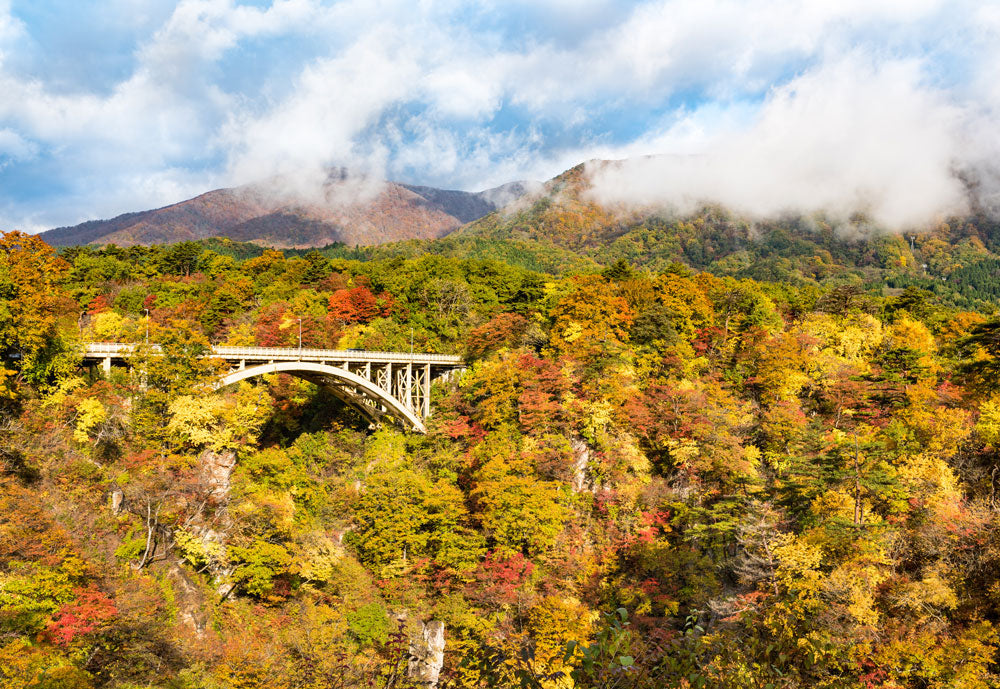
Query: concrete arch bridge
393	385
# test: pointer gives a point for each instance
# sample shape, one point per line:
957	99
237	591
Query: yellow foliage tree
552	623
591	320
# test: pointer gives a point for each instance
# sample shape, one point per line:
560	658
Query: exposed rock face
117	500
190	601
582	454
216	468
427	654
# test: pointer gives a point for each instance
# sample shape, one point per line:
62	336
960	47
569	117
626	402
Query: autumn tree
591	321
403	517
30	304
357	305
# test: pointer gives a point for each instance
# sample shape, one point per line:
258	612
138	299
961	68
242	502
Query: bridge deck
249	355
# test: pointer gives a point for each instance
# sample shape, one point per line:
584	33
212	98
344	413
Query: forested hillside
707	464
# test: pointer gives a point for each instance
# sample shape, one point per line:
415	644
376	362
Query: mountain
562	212
347	208
560	225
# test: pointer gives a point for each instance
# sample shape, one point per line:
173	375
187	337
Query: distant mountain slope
559	211
954	257
349	209
468	207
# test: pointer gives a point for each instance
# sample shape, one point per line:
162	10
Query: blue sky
110	106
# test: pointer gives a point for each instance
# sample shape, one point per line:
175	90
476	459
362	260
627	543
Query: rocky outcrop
427	654
117	500
189	600
581	457
216	468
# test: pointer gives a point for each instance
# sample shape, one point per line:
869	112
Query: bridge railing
120	349
332	354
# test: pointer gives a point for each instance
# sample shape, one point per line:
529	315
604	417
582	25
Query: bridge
396	385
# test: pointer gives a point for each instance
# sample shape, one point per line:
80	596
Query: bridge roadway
396	385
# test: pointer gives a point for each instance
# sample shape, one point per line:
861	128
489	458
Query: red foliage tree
333	282
503	330
355	305
666	412
499	579
268	331
85	614
100	304
540	401
278	326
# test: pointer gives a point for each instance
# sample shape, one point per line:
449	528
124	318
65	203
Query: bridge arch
341	378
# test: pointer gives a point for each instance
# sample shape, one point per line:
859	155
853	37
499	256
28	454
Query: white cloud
11	29
784	103
15	147
334	101
850	136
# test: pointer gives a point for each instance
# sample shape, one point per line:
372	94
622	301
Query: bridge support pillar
409	388
106	365
426	411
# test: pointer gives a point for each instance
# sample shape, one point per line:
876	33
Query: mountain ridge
347	208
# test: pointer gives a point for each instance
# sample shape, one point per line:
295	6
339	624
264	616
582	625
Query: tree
741	305
355	305
520	512
181	258
980	366
503	330
591	321
89	610
180	365
30	303
403	517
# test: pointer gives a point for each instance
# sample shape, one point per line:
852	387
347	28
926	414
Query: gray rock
216	468
117	500
581	454
427	654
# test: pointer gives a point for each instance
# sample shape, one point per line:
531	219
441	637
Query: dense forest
691	453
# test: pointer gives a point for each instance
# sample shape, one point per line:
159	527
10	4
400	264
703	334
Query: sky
111	106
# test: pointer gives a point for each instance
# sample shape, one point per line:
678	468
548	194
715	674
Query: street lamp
147	325
300	336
